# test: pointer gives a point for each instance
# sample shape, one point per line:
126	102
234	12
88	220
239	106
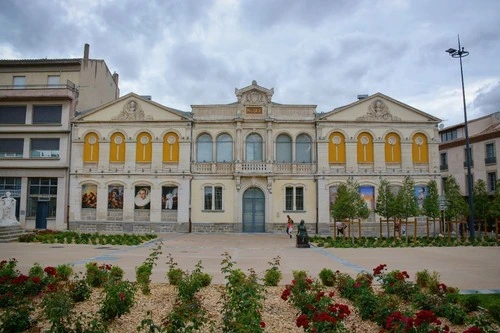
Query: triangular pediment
132	108
378	108
254	94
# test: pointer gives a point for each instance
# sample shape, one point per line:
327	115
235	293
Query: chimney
360	97
115	78
86	52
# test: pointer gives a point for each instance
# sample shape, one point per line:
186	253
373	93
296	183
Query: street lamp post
460	53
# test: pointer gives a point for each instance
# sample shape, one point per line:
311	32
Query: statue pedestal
302	243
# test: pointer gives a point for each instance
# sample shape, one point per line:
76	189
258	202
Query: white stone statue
8	211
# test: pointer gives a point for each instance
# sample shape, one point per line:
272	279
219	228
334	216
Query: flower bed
382	301
71	237
373	242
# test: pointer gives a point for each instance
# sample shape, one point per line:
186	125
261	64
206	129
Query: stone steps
10	234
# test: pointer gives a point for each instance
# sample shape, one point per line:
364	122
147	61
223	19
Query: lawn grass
486	301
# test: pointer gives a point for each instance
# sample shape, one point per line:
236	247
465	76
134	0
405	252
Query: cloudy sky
322	52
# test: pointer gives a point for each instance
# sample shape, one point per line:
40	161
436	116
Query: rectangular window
492	180
490	154
299	198
11	147
53	80
294	198
44	148
289	198
47	114
444	161
42	189
19	82
212	198
12	114
471	158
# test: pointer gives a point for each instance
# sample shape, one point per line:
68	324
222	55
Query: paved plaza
469	268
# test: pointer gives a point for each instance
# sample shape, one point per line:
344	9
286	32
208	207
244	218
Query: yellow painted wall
336	152
117	149
91	148
392	148
171	147
144	148
228	204
365	152
420	152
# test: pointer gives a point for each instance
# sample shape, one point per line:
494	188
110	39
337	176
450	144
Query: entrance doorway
42	211
254	210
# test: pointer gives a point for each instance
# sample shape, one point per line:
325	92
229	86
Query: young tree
481	200
386	201
349	203
431	201
494	211
456	206
406	200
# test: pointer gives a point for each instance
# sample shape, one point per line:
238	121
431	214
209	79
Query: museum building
139	166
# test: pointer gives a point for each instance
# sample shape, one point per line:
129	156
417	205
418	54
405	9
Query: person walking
289	226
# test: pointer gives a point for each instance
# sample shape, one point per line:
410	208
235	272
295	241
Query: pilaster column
102	203
130	155
379	155
128	203
104	155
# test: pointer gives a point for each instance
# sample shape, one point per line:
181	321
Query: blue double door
254	210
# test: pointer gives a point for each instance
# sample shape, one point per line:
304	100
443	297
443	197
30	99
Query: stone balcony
40	91
254	168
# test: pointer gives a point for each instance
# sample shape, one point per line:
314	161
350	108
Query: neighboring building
38	100
239	167
484	141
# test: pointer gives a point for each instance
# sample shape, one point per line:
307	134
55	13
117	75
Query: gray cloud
487	99
313	52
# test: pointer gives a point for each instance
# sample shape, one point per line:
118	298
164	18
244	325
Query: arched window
144	148
392	148
283	149
254	148
420	151
303	149
365	148
204	148
117	148
224	148
336	148
91	148
171	147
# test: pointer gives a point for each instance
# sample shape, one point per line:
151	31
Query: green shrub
142	275
57	307
16	319
327	277
367	304
79	290
36	270
471	303
97	275
116	273
272	276
118	300
174	276
64	272
495	312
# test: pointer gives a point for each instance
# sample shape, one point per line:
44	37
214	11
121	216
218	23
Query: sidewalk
470	269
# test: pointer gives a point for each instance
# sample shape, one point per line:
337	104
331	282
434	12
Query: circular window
392	141
118	139
92	140
364	140
171	139
144	140
336	140
419	141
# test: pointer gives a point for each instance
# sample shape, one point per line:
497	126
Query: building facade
38	100
484	142
138	166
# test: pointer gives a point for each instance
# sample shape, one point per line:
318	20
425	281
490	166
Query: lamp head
451	51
